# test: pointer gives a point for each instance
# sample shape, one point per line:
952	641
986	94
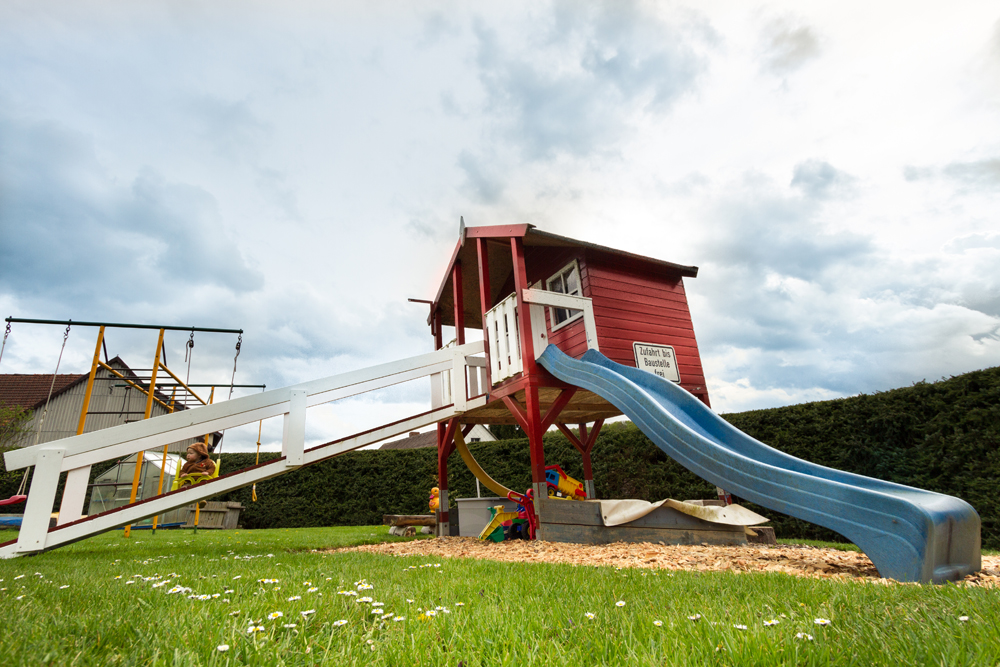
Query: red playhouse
579	296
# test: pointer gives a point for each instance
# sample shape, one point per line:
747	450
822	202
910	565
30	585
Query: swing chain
239	344
188	355
5	334
41	420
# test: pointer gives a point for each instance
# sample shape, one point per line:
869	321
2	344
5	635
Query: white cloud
300	171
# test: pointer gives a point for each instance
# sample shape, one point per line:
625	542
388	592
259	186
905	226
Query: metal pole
197	505
141	456
90	382
163	465
117	325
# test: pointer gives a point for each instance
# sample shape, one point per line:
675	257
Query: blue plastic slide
909	534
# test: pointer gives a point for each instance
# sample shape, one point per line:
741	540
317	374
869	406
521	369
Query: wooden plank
629	283
603	271
557	532
409	520
649	329
600	293
608	314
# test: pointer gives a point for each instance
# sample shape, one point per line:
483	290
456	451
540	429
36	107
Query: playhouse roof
500	263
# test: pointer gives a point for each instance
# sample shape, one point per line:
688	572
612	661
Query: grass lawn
110	601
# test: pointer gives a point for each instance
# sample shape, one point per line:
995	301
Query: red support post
530	371
523	316
459	298
485	303
446	445
442	461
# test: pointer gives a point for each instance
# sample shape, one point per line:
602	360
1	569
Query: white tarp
617	512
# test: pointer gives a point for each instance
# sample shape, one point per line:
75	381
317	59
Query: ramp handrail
126	439
76	454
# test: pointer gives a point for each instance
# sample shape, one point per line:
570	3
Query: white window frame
574	315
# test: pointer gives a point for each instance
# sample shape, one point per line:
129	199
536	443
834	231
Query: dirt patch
802	561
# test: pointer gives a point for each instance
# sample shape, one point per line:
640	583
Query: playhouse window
567	281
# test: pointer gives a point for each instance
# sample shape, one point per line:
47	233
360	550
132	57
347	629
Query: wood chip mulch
798	560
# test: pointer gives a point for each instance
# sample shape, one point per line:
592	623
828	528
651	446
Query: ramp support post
41	496
293	439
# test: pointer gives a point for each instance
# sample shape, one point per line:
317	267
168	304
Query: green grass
513	613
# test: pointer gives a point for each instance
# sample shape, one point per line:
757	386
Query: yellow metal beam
141	456
130	382
181	383
90	382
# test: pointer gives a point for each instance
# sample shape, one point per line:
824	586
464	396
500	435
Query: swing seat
13	500
196	478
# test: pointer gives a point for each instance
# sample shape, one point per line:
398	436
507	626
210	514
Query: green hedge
942	436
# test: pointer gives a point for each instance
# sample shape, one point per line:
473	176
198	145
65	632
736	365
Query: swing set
152	386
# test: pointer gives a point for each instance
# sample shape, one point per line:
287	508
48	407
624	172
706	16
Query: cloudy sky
298	170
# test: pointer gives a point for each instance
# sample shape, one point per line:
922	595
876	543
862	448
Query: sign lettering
658	359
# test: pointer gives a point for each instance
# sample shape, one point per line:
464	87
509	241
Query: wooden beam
575	441
530	367
485	303
409	520
518	412
592	438
459	298
557	406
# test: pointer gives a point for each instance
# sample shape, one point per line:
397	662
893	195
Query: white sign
659	359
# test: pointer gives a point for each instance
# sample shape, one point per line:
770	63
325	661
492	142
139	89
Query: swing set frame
74	495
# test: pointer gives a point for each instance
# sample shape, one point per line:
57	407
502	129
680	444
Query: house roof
501	265
31	390
414	441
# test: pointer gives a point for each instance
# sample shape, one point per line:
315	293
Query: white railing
504	340
541	298
502	332
471	371
76	454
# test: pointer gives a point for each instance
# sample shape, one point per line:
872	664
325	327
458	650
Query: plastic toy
501	519
435	501
562	485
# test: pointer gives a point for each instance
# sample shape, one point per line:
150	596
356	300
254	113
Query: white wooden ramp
77	454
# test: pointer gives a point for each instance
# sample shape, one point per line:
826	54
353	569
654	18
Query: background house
113	402
416	440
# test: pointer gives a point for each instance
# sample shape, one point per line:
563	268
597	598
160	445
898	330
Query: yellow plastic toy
435	502
194	478
500	517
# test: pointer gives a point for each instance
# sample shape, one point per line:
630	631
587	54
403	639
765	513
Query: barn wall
64	410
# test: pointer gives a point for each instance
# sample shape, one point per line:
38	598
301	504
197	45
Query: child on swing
198	463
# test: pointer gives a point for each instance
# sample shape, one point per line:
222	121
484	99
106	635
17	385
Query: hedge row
942	436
